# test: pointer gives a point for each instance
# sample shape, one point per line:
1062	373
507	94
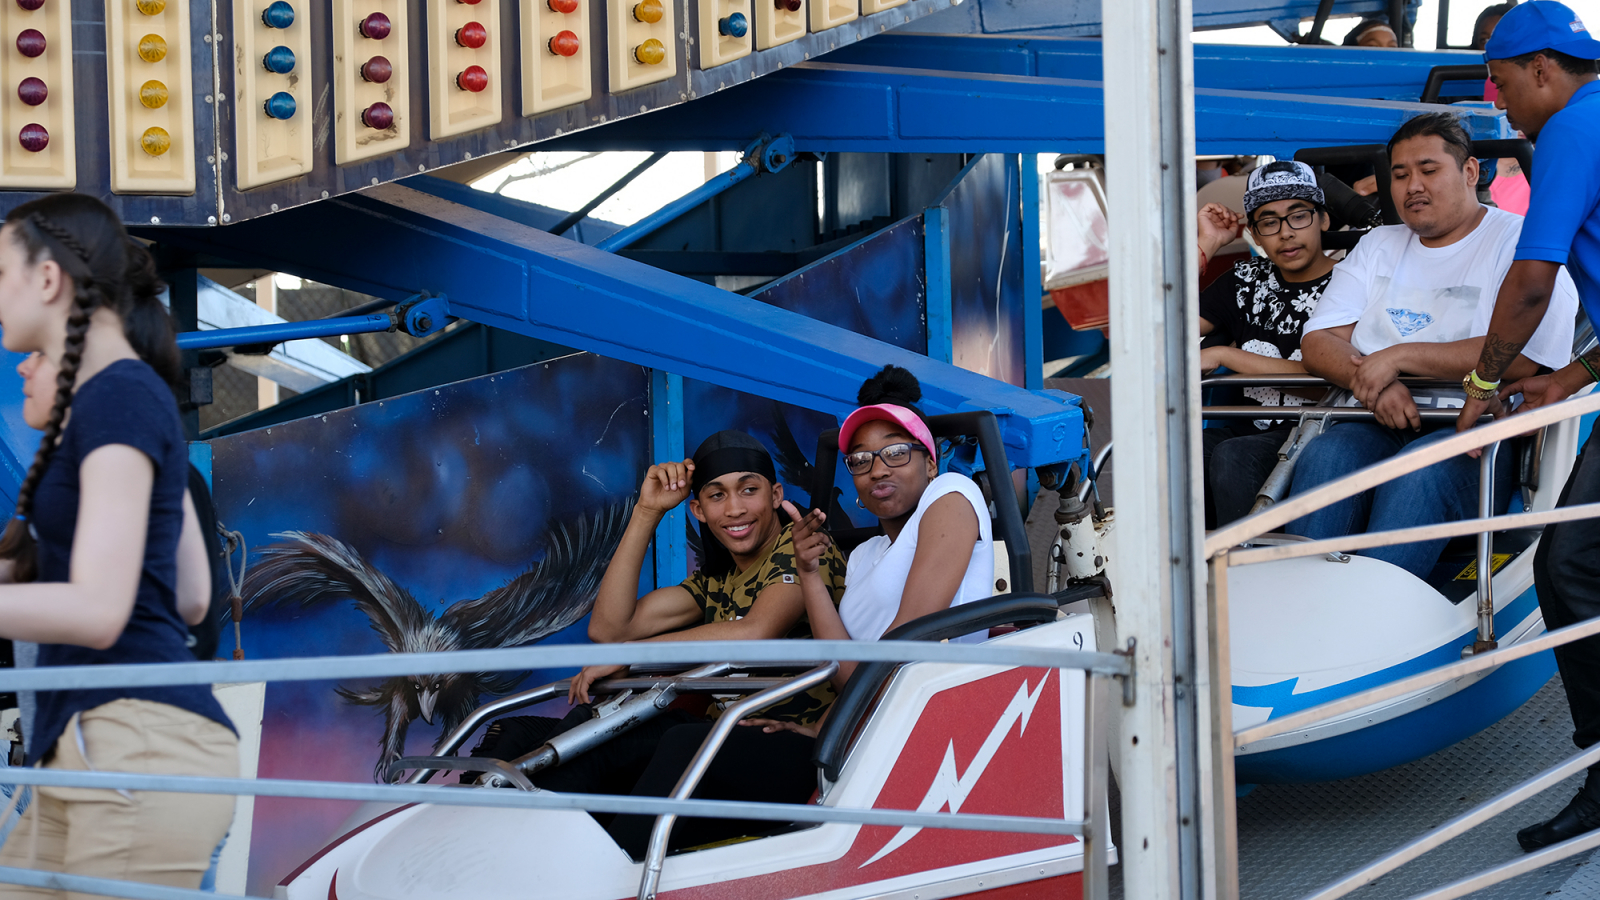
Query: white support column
1156	572
267	299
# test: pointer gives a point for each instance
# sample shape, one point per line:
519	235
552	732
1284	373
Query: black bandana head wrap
730	451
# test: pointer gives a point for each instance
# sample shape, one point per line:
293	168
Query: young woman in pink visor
936	550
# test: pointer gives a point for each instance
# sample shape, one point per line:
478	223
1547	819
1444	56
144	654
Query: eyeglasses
894	456
1297	220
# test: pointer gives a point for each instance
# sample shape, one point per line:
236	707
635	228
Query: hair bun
892	384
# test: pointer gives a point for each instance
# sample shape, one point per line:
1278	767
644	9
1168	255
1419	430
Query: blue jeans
1443	492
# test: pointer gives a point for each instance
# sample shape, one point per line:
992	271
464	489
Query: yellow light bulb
151	7
153	94
152	48
649	11
156	141
651	52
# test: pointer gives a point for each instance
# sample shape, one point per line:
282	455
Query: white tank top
877	571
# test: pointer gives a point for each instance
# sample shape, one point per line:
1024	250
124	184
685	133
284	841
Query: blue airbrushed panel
874	287
18	442
986	259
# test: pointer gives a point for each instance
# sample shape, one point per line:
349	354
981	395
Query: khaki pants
151	837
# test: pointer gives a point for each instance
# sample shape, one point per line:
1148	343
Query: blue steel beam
1082	17
283	331
835	107
763	154
1356	72
521	279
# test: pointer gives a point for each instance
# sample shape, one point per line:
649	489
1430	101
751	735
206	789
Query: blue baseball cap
1540	25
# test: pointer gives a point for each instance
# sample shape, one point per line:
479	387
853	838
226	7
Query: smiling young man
1251	317
1542	60
1416	299
746	588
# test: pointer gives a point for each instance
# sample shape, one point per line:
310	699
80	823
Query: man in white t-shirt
1416	299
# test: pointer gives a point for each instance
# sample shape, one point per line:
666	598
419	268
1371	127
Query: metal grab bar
461	764
1298	380
1257	550
656	854
1486	641
509	703
1334	412
1280	514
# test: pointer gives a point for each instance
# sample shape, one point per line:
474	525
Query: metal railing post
1218	817
1486	463
1097	831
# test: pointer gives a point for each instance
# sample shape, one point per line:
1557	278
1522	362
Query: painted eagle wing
552	594
310	568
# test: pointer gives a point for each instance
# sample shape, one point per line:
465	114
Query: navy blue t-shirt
124	403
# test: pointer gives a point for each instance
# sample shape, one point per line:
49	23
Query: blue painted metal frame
284	331
763	154
1032	277
1082	18
666	424
1355	72
936	256
837	107
522	279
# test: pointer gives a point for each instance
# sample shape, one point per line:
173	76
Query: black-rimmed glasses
1268	225
894	456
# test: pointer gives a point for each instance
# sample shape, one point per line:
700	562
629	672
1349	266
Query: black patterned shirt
730	597
1251	307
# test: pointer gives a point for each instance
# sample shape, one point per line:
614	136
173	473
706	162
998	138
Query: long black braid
40	234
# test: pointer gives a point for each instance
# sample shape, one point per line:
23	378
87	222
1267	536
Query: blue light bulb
280	105
279	15
735	25
279	59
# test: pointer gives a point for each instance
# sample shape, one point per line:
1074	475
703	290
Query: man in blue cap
1542	60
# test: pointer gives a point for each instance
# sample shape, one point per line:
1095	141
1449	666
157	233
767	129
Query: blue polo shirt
1563	224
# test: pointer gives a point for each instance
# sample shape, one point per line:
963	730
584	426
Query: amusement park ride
885	210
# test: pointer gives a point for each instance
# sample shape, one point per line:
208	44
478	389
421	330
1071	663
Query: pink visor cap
887	412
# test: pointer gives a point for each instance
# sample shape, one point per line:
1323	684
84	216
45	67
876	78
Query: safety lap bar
833	743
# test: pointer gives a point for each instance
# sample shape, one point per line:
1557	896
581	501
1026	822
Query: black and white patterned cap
1282	179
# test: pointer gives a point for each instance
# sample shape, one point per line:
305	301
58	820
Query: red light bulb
472	35
377	70
375	26
32	91
30	5
378	116
31	43
473	79
564	6
34	138
564	44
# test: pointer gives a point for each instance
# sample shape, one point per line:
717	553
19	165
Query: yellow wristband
1480	383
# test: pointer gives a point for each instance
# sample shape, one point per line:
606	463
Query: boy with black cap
746	588
1542	61
1251	317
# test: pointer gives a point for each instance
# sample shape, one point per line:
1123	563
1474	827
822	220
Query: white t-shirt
1398	291
876	574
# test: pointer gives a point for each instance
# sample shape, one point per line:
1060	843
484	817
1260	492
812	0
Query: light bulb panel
354	136
551	79
453	109
720	40
269	149
628	33
48	125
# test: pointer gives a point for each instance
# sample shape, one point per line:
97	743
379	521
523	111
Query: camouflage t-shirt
730	597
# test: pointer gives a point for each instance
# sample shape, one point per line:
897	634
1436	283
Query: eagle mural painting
552	594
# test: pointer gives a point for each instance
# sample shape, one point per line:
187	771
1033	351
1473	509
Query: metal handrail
509	703
1307	380
1252	411
656	853
1292	508
1486	639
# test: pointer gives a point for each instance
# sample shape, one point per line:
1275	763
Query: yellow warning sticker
1470	573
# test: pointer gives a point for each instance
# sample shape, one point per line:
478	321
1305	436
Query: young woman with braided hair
89	563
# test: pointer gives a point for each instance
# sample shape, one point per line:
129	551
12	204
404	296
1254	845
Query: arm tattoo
1593	356
1497	356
